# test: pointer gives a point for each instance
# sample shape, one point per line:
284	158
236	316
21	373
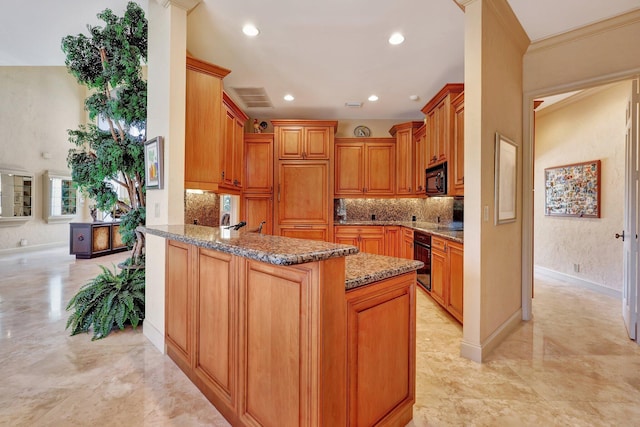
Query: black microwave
436	180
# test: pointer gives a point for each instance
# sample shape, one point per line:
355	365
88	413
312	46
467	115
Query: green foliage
108	61
109	300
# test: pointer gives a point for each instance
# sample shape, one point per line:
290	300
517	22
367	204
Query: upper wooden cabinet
214	128
439	121
420	160
365	167
405	153
456	168
233	145
258	160
303	139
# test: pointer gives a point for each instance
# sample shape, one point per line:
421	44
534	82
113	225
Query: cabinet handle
236	182
222	174
410	190
81	237
434	158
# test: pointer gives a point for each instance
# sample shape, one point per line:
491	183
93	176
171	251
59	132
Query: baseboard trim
154	335
33	248
596	287
478	353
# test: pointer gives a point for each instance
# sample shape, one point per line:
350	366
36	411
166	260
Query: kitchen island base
287	345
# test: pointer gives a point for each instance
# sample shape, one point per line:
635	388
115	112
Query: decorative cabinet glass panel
60	197
16	196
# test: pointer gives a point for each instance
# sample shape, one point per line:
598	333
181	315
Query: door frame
528	164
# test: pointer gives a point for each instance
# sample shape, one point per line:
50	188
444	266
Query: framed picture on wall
573	190
505	180
153	156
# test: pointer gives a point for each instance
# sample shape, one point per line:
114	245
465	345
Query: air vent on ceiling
353	104
253	97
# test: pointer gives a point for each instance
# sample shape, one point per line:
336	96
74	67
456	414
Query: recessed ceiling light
396	38
288	97
250	30
414	97
373	98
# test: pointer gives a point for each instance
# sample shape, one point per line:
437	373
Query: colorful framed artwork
153	156
573	190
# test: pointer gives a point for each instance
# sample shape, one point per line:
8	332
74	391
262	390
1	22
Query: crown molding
606	25
182	4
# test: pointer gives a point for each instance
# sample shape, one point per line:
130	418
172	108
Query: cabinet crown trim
449	88
196	64
406	125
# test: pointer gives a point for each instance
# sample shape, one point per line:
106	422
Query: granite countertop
441	230
363	268
262	247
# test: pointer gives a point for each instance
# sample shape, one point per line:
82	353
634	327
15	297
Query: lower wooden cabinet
393	241
309	232
367	238
179	303
93	239
381	352
257	208
407	243
447	275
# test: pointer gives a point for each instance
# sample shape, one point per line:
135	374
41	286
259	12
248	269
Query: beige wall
601	53
37	106
590	128
494	45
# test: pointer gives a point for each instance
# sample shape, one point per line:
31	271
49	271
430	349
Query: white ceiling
325	53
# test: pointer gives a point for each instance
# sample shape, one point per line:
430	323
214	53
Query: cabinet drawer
438	244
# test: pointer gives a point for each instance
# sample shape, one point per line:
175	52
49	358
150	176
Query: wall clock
362	131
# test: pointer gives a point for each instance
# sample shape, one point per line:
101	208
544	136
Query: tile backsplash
447	209
205	208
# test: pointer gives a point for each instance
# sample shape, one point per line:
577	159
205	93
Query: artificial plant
108	301
109	63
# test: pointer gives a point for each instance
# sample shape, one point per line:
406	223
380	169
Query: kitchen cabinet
303	194
407	243
232	145
447	275
304	139
365	167
393	241
94	239
380	337
204	125
420	160
178	310
439	122
367	238
257	208
258	162
456	171
257	196
405	153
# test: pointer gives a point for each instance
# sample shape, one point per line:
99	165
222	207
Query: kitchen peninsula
282	331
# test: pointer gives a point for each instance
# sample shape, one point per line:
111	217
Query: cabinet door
303	192
315	232
379	179
238	154
178	303
346	236
381	360
257	208
372	240
438	274
290	142
419	161
227	148
258	161
116	237
80	240
349	169
100	238
215	352
457	174
456	280
393	241
404	162
407	243
203	124
316	142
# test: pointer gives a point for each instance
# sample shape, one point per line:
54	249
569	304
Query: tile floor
571	366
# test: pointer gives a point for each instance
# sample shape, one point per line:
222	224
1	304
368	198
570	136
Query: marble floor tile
572	365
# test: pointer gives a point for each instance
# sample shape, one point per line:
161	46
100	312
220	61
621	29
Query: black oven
436	180
422	252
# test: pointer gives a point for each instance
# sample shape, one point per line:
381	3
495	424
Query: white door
630	232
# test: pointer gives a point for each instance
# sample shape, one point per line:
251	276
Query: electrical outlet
485	213
576	268
157	210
